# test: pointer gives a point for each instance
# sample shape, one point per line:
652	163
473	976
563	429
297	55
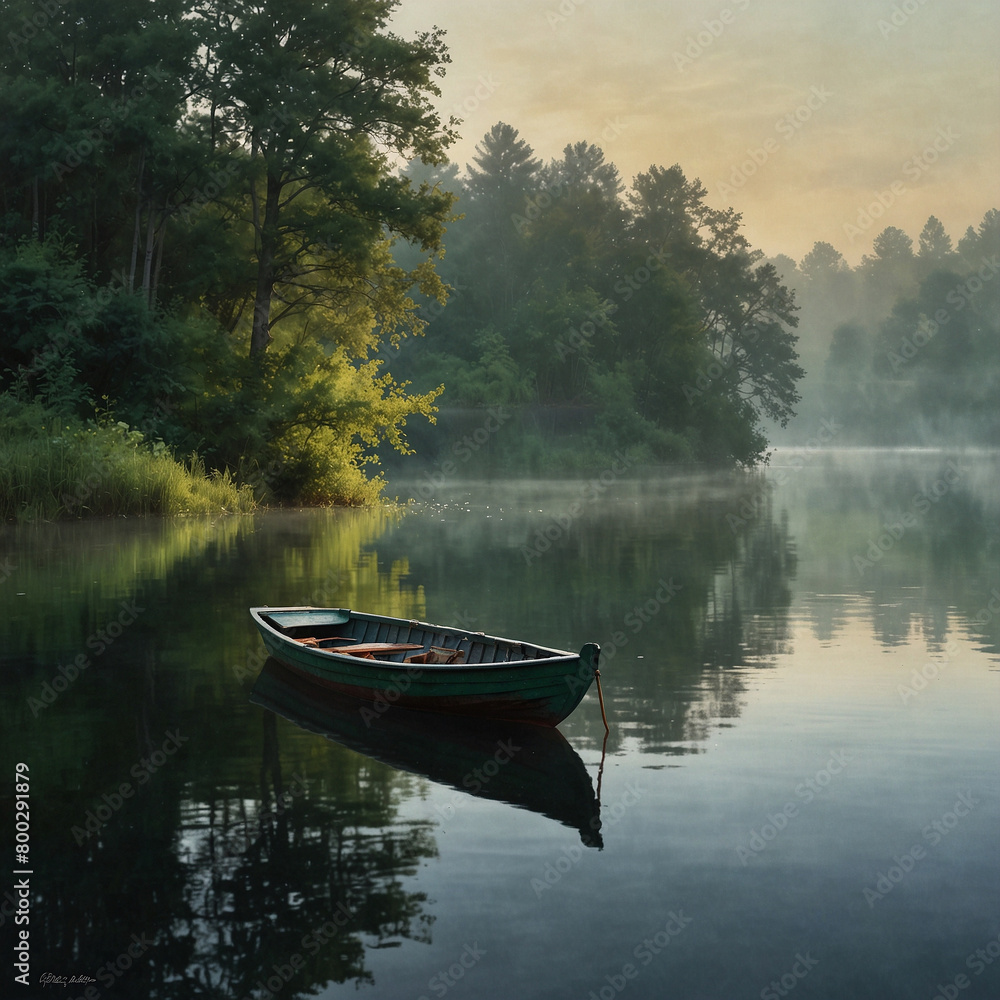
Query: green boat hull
499	678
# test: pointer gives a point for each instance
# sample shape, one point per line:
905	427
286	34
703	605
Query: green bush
53	466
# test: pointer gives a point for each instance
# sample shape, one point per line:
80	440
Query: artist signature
47	979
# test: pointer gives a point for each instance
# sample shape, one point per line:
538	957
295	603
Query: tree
320	95
502	189
505	175
822	262
935	243
889	273
579	221
847	390
95	100
747	313
827	287
980	246
892	244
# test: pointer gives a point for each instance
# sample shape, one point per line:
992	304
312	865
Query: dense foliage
644	315
202	234
196	213
903	348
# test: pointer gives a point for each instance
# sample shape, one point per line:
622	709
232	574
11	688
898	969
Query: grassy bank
53	467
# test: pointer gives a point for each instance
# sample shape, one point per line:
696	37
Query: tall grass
51	467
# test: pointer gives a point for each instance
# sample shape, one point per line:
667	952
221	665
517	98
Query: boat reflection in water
531	767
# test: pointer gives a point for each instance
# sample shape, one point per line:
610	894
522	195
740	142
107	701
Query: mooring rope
600	698
600	770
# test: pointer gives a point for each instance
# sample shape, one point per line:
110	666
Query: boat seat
367	649
313	642
438	654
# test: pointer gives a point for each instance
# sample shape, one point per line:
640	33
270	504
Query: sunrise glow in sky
798	113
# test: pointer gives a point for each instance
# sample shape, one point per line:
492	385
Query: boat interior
372	637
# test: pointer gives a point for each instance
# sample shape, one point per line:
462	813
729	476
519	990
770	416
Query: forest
237	266
903	349
640	318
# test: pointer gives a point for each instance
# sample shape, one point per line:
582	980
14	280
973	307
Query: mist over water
799	668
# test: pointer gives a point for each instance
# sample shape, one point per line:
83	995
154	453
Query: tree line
643	310
903	348
646	311
207	243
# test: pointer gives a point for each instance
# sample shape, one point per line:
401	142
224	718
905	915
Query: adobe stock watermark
787	981
635	620
263	477
921	677
311	943
554	871
204	196
643	953
977	962
578	337
444	980
704	379
97	818
562	13
39	20
255	659
109	973
98	642
462	451
804	793
892	532
928	327
390	694
933	833
912	169
95	137
548	195
624	289
478	778
643	614
752	506
711	30
989	611
534	207
901	13
560	524
485	88
787	127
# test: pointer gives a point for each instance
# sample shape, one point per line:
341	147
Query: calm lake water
799	794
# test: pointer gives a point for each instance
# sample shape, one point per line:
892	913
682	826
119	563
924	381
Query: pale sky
837	101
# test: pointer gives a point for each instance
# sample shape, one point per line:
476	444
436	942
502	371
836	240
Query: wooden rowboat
386	661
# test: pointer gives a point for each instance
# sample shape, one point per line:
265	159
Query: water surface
799	793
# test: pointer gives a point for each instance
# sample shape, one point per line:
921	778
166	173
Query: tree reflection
295	886
678	584
281	880
253	853
227	865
